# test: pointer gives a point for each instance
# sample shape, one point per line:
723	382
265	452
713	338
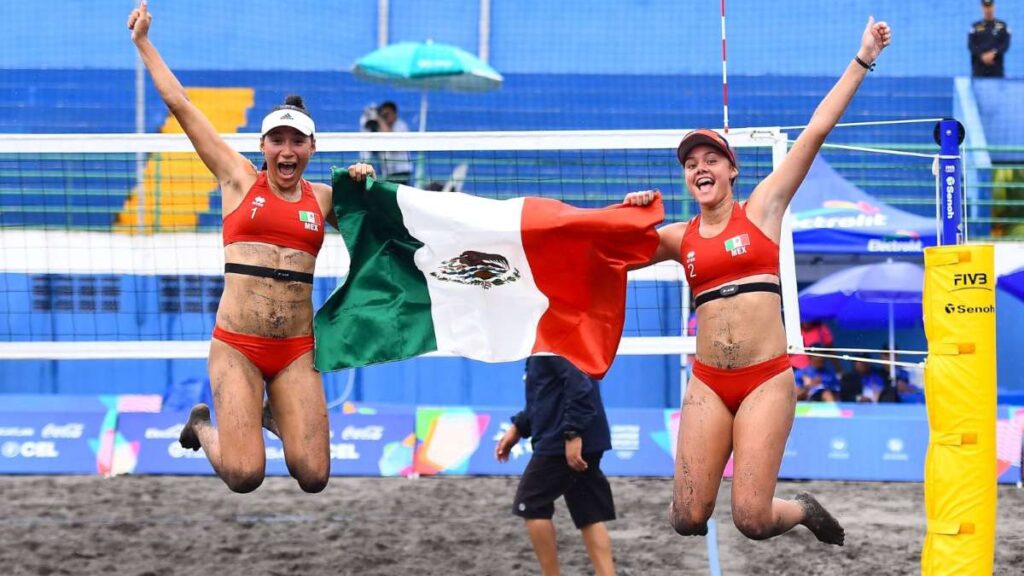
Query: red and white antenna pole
725	78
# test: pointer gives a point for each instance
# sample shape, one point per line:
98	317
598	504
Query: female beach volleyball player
273	229
741	397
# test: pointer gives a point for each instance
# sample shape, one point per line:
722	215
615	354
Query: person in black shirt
866	384
988	40
565	419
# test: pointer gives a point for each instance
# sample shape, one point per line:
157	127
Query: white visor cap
288	117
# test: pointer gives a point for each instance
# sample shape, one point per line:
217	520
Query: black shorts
587	494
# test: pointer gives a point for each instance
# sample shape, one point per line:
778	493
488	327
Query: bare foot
819	521
268	419
188	439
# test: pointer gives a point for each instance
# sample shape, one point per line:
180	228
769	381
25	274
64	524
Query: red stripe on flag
579	259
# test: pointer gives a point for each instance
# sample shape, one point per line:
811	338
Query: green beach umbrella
427	66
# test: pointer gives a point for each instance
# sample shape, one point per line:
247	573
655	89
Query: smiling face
709	174
287	152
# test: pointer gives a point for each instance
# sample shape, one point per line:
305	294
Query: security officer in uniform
988	40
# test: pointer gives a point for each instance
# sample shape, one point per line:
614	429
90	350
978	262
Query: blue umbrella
427	66
887	294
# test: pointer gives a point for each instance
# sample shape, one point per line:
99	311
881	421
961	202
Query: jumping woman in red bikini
263	339
742	396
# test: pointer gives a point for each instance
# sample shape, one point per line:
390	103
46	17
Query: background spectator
988	40
866	383
391	166
816	334
394	166
816	382
901	382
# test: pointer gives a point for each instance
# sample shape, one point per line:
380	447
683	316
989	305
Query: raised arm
771	197
224	162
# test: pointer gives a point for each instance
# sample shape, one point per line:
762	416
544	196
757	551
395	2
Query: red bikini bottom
733	385
269	355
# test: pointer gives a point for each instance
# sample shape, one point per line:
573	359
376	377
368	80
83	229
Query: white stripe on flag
495	324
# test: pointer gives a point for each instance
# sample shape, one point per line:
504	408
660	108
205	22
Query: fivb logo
970	281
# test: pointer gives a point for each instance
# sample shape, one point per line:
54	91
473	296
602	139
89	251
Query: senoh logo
970	281
965	309
950	181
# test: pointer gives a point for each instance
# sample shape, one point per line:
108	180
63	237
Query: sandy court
194	525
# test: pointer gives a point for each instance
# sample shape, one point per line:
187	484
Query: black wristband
868	67
570	434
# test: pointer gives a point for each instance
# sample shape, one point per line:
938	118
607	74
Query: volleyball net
112	245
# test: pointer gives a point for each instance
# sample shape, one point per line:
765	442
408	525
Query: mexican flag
491	280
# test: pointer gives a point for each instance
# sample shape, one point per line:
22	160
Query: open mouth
287	168
705	184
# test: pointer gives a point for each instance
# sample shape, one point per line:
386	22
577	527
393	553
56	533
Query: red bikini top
264	217
738	251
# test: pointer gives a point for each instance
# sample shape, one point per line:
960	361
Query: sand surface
195	525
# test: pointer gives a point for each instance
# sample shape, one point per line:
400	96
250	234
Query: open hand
139	20
505	445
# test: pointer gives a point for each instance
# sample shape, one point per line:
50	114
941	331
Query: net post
949	134
787	264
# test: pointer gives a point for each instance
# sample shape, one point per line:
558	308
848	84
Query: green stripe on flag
382	311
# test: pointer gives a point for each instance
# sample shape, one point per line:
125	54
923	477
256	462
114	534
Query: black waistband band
263	272
733	289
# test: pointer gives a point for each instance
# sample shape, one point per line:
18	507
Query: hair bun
295	100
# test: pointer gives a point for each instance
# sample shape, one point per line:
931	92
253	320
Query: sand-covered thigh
194	525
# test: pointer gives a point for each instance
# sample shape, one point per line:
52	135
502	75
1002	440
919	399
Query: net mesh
96	257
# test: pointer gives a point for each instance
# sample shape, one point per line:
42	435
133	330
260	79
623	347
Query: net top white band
385	142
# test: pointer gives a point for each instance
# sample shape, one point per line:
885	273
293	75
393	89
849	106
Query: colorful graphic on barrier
112	447
106	442
1009	432
446	438
822	410
469	435
666	438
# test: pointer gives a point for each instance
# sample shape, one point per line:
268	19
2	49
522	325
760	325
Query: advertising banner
861	448
461	441
49	442
362	444
828	442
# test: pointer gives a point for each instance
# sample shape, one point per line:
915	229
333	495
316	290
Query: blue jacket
988	35
559	398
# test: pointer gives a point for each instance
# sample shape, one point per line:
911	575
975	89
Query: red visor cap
709	137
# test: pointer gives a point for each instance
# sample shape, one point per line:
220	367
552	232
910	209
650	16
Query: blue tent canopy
832	216
1013	283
